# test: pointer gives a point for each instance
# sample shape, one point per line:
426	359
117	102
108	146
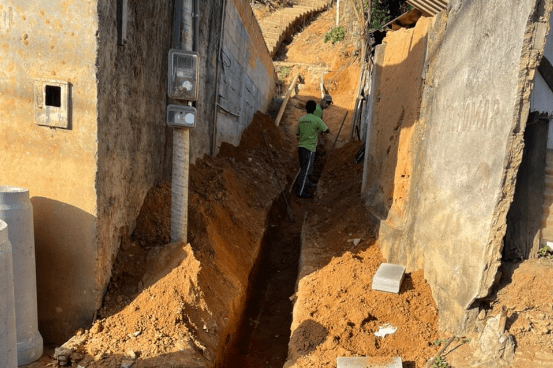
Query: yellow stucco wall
56	40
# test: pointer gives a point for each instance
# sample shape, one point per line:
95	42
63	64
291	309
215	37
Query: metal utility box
183	75
181	116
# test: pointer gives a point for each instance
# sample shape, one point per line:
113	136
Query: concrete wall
53	40
134	150
201	137
481	61
247	81
396	106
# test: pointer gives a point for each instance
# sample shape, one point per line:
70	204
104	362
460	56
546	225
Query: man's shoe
304	195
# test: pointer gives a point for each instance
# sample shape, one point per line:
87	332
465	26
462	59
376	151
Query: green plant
380	15
283	71
438	342
440	363
336	34
545	252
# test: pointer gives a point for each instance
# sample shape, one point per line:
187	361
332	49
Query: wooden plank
286	98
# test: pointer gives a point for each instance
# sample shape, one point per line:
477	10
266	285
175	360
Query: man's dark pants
306	158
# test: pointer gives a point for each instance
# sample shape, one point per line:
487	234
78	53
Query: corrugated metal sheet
429	7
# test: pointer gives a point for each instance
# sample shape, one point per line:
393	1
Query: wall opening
52	96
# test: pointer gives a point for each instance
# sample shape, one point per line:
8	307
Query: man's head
310	106
326	101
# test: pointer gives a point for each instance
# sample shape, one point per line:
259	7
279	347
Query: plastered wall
53	40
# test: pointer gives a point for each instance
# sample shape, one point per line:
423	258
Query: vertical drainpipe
181	144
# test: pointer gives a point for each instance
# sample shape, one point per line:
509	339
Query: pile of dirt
178	304
337	312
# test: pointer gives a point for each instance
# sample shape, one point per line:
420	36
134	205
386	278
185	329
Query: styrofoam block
368	362
388	277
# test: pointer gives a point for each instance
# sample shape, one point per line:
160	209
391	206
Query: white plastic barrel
8	341
16	210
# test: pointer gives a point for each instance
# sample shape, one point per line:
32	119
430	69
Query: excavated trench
264	333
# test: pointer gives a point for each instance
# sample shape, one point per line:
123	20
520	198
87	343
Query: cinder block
388	278
368	362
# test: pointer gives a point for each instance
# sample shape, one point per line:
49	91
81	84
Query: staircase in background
281	23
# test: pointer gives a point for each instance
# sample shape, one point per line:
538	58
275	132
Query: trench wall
465	152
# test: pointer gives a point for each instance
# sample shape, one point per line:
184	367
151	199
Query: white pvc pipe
16	210
8	340
179	184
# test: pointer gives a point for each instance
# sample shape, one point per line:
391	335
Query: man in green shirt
308	127
325	102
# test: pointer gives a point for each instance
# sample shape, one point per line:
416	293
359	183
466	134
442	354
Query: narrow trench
265	331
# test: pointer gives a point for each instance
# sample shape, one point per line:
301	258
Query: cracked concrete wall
481	60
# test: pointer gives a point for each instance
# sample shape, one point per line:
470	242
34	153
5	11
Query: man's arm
322	127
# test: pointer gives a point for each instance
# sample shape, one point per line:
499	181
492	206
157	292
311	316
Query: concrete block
388	277
8	340
369	362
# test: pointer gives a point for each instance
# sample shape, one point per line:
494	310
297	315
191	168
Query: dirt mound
178	304
337	312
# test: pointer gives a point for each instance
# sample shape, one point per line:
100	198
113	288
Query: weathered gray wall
481	63
247	76
134	153
201	137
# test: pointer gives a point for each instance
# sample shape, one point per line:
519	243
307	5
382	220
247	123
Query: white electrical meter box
183	75
181	116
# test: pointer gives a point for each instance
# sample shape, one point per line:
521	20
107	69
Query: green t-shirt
318	111
308	127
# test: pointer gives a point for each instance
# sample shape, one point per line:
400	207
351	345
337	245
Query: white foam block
388	277
368	362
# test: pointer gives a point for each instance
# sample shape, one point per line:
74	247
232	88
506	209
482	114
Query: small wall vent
52	103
